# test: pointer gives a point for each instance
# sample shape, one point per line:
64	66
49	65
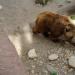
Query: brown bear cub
52	25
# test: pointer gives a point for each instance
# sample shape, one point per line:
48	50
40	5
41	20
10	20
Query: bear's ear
72	26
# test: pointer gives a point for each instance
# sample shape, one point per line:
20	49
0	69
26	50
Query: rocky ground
39	55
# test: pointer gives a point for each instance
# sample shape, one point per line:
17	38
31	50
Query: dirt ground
15	17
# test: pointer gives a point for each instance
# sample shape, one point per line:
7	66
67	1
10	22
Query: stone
1	7
53	57
32	54
32	71
72	61
33	66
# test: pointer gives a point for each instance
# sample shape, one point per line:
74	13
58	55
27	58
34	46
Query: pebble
1	7
32	71
41	63
45	72
53	57
33	66
32	54
72	61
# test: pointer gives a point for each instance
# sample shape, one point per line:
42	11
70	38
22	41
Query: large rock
72	61
32	54
53	57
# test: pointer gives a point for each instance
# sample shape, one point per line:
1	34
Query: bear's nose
69	36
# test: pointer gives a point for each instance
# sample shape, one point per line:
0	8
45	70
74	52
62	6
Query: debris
52	70
42	2
68	1
60	5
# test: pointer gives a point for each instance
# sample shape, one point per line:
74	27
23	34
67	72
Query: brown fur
52	25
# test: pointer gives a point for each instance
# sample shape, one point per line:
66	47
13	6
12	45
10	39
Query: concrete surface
10	63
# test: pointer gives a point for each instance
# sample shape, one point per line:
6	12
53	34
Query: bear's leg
35	30
57	39
46	34
54	39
